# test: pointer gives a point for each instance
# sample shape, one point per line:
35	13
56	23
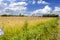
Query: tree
50	15
4	15
21	15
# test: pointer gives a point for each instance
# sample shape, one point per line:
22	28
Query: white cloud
1	1
45	10
18	6
11	1
2	6
33	2
38	2
42	2
13	8
56	10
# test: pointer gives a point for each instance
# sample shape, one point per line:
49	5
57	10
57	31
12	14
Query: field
29	28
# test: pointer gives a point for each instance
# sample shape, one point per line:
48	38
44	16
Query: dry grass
15	28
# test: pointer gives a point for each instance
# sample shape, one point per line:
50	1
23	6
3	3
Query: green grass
46	30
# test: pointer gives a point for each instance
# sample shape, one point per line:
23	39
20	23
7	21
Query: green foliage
41	31
10	15
21	15
50	15
5	15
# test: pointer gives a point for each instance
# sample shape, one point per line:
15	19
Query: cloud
38	2
45	10
2	6
18	7
13	8
42	2
56	10
33	2
21	7
1	1
11	1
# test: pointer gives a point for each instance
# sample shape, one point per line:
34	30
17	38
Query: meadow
29	28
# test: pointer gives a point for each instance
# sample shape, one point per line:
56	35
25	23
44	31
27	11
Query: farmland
29	28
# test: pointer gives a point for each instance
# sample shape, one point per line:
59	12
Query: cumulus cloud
45	10
38	2
17	6
13	8
20	7
19	3
56	10
1	1
42	2
11	1
2	6
33	2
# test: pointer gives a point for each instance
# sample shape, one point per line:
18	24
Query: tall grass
41	30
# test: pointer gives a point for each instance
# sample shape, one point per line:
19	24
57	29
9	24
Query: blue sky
29	7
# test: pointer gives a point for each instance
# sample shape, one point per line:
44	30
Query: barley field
28	28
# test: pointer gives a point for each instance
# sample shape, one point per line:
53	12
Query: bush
5	15
50	15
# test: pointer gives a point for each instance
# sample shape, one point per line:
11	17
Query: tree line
20	15
5	15
50	15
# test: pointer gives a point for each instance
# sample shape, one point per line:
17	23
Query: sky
29	7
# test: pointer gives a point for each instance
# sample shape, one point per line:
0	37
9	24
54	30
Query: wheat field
29	28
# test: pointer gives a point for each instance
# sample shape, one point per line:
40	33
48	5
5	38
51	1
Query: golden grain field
28	28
